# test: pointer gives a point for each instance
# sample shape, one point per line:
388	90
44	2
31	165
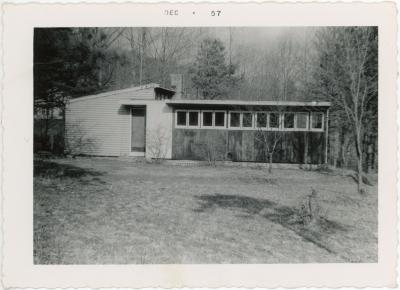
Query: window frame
240	120
283	121
212	119
256	120
280	121
198	119
252	120
227	120
225	117
176	119
200	124
322	122
296	128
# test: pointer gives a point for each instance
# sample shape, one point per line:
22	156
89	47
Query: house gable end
142	92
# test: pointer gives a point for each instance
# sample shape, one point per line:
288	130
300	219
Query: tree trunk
375	166
64	125
344	151
305	156
369	156
359	162
270	163
359	185
46	130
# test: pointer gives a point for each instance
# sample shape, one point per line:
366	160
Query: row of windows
250	120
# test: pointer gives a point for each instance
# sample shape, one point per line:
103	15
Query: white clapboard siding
100	125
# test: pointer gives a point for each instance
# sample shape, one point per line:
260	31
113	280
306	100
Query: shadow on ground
285	216
49	169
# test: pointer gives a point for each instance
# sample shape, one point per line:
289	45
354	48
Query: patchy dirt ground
111	211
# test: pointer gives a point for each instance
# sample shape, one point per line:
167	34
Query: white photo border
17	155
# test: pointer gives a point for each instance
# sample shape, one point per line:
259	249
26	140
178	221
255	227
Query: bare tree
267	137
272	71
212	148
347	79
284	71
167	47
157	143
137	40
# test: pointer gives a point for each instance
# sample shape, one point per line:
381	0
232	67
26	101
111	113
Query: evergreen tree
211	75
69	63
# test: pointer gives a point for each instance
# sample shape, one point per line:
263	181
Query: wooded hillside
336	64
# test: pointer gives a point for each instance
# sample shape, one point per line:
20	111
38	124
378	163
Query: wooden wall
244	145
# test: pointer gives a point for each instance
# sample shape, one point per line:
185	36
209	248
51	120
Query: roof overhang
133	102
241	103
164	90
128	91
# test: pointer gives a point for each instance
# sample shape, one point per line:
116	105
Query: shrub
157	144
212	149
324	168
310	209
77	142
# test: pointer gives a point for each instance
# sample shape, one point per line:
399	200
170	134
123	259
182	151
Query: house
155	122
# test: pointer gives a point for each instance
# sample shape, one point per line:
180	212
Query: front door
138	135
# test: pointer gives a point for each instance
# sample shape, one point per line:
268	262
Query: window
181	118
193	118
274	120
234	119
288	120
261	120
302	120
207	119
317	120
247	121
219	119
201	119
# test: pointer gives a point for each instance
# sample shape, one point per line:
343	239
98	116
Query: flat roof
247	103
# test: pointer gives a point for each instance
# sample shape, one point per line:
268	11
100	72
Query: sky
257	36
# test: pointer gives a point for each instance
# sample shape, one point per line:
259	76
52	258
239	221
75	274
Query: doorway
138	131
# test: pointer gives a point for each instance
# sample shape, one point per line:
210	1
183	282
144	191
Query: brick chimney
177	85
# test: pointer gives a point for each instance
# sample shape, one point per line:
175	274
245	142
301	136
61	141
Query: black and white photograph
205	145
199	145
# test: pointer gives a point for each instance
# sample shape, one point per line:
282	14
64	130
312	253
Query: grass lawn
112	211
